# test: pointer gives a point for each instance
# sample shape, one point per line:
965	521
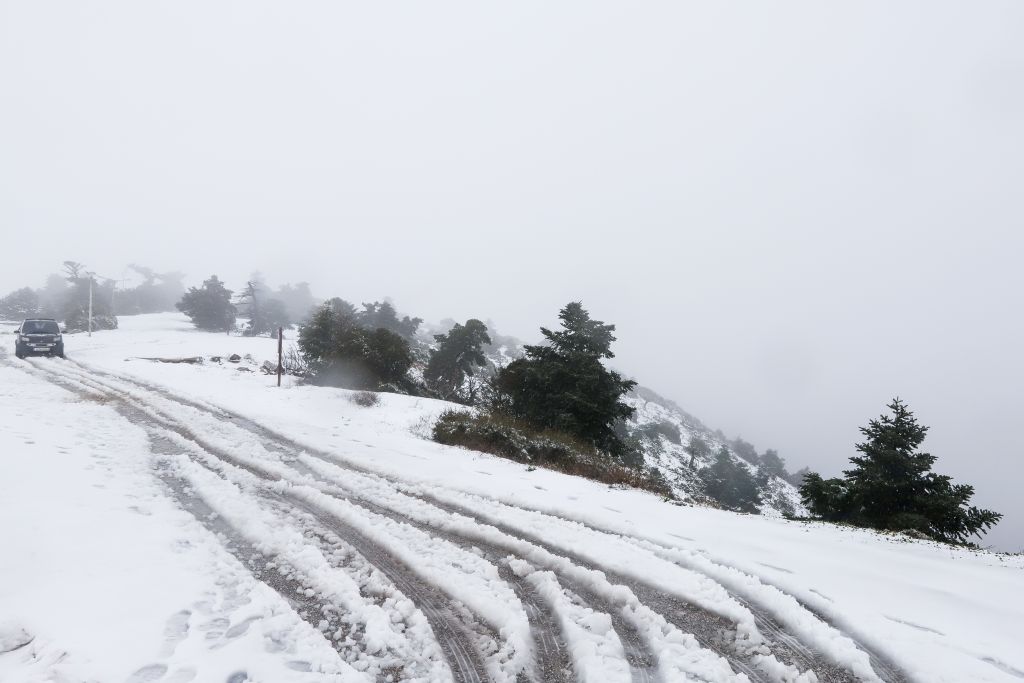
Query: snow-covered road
305	563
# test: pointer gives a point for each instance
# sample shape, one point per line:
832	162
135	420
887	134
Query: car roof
33	319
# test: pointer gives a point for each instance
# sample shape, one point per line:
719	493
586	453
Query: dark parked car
37	336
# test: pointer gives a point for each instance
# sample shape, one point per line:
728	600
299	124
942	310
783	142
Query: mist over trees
892	487
554	403
341	349
265	313
209	307
157	293
730	483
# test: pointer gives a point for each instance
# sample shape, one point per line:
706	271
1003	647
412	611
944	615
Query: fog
792	212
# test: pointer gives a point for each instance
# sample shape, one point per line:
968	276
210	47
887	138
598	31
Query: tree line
557	402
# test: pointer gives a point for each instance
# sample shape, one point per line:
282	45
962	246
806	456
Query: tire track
638	653
463	659
712	632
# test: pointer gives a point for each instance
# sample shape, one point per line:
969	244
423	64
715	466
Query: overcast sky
792	211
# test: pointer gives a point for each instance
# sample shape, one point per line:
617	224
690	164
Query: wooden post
280	345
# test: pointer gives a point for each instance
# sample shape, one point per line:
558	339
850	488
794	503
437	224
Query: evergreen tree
298	300
563	385
158	292
892	486
76	305
772	464
265	314
697	447
797	478
341	352
19	304
458	354
53	297
731	483
383	315
209	306
745	450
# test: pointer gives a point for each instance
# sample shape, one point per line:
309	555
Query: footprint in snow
218	625
175	631
148	674
240	628
182	675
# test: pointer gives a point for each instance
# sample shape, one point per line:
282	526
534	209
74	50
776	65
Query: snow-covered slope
331	542
671	457
665	450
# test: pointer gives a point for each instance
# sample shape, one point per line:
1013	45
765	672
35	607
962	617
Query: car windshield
39	327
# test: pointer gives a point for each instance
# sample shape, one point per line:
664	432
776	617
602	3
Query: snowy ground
195	522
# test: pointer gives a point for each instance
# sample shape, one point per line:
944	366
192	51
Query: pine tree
19	304
459	352
265	314
209	306
383	315
731	483
892	486
697	448
341	352
563	385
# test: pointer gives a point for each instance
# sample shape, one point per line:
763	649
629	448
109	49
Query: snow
107	577
101	566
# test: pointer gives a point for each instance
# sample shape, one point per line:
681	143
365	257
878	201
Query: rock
234	358
244	369
215	359
269	367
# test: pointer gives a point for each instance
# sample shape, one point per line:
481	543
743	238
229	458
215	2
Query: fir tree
209	306
265	314
383	315
563	385
892	486
21	303
459	352
731	483
697	447
341	352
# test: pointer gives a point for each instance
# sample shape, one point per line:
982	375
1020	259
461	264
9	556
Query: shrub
516	440
366	399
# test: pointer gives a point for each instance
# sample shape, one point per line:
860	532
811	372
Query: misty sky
792	211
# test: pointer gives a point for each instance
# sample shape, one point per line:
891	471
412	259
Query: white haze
793	212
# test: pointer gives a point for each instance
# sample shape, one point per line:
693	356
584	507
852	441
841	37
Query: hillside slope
94	445
663	430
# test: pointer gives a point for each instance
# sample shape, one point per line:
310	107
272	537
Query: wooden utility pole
280	346
90	303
